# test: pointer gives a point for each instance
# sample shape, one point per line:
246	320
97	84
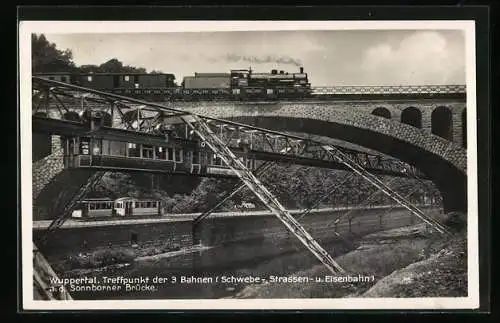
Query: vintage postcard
248	165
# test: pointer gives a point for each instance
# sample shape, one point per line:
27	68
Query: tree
46	58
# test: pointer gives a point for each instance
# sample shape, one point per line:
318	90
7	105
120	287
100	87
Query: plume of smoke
264	59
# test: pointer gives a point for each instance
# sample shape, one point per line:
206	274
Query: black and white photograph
248	165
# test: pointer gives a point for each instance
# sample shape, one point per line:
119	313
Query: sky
348	57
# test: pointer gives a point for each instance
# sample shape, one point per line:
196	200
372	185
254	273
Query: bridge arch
412	116
443	162
441	122
464	128
382	112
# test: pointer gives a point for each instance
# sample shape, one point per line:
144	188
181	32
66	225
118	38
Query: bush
456	221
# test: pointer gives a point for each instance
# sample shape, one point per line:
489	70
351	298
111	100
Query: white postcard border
26	28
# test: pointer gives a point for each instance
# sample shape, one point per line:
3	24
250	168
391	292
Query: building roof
97	199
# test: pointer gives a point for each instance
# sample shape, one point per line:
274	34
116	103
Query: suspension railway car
179	156
121	207
237	84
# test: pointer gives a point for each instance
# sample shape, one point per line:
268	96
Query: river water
214	269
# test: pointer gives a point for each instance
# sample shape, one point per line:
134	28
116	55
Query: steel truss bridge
142	121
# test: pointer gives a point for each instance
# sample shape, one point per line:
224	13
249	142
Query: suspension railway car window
96	147
117	148
106	149
160	153
84	147
133	150
147	151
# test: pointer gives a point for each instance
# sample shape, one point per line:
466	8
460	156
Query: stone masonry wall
422	138
46	169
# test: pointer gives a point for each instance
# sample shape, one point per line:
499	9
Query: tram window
170	154
154	204
137	205
178	155
196	157
92	206
218	160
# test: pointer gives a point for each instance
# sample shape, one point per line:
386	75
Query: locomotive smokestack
301	70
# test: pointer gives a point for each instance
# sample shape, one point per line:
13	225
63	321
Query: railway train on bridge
236	84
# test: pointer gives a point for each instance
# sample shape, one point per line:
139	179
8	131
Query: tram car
94	208
127	207
237	84
121	207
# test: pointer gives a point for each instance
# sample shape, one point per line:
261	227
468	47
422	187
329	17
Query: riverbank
109	258
404	262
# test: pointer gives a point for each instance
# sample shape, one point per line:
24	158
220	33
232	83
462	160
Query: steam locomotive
238	84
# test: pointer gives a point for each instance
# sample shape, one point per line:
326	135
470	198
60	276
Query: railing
411	89
318	90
